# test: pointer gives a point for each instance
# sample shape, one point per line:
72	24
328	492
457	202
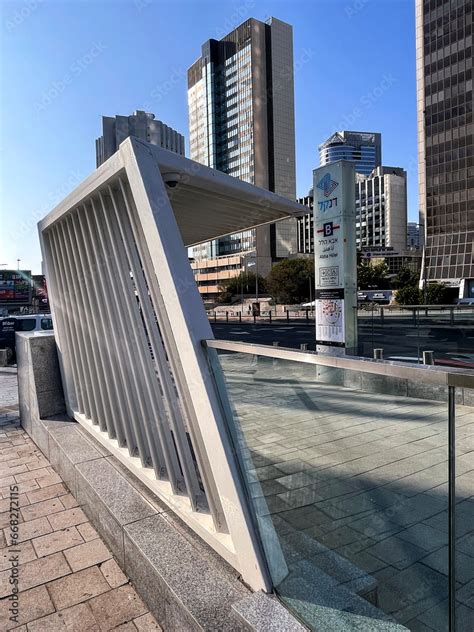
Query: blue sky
64	64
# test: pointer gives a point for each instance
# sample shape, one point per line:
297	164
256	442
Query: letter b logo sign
327	229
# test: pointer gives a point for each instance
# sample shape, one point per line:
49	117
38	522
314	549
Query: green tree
244	283
291	281
372	277
406	277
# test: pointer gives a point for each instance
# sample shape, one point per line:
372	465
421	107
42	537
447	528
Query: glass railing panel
464	510
347	475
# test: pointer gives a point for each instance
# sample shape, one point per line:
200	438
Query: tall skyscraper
241	121
444	57
143	125
363	148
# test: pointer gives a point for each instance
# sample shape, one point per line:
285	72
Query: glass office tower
363	148
241	121
446	148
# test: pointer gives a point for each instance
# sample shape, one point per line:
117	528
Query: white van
11	324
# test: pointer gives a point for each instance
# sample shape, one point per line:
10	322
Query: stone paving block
7	481
5	518
39	462
67	518
27	553
35	573
466	595
116	607
52	623
69	501
87	554
79	618
29	530
43	508
397	552
412	590
57	541
87	531
424	536
32	475
126	627
146	623
464	564
44	493
22	488
77	588
35	604
112	573
49	479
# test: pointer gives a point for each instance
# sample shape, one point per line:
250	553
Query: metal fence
360	476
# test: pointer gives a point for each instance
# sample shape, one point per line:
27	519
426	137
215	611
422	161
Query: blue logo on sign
327	185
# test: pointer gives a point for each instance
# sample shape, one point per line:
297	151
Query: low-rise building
395	259
211	273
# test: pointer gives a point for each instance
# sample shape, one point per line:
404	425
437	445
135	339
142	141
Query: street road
398	336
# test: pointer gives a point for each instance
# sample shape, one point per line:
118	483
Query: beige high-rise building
241	121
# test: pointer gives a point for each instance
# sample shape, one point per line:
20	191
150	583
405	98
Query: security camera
171	179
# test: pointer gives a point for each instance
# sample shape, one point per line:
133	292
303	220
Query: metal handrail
427	374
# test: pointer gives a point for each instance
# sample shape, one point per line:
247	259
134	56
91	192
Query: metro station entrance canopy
129	324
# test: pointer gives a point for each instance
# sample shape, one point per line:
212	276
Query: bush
436	294
409	295
245	281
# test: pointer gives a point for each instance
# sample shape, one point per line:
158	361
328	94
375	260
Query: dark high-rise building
362	148
241	121
143	125
444	58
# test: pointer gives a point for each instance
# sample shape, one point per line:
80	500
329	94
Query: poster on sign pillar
335	258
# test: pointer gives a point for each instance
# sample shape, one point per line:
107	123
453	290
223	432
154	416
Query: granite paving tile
87	554
35	604
77	588
57	541
35	573
116	607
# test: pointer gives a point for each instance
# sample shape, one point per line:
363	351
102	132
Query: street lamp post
242	264
256	278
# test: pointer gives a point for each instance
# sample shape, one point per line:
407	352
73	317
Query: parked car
11	324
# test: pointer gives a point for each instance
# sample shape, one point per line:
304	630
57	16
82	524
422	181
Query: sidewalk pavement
67	579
